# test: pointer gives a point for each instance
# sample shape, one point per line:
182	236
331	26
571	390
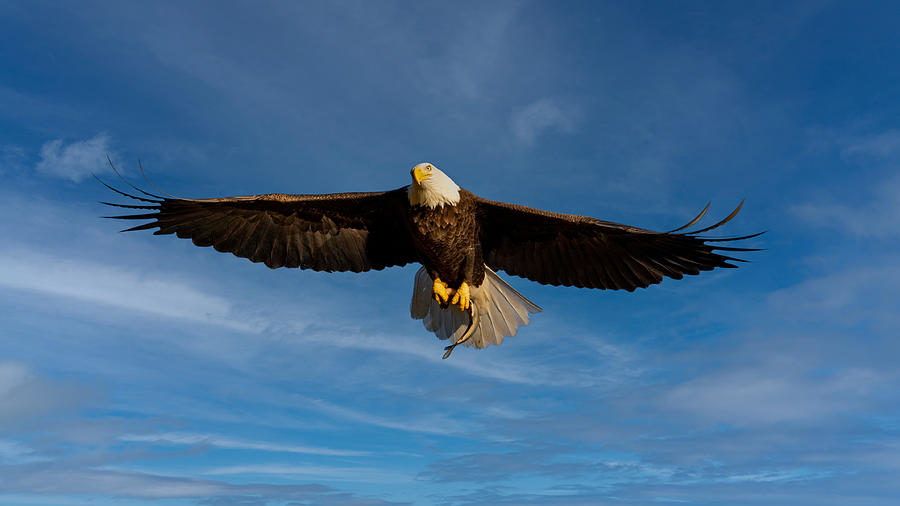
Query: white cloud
433	424
833	315
10	449
331	473
806	362
12	375
884	145
876	217
113	286
546	114
108	482
13	451
235	444
25	395
74	161
867	293
764	395
870	209
527	371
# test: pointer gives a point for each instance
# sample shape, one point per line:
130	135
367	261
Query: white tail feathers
501	311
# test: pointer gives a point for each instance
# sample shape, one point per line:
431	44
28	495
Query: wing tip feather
711	227
694	221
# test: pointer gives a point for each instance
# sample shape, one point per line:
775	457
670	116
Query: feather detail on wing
570	250
331	232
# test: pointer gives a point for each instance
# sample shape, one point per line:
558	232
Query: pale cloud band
74	161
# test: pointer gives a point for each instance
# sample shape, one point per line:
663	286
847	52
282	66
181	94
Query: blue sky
136	368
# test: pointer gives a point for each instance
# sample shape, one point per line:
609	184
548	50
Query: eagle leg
462	296
439	289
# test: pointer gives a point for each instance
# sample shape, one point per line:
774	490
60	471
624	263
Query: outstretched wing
571	250
332	232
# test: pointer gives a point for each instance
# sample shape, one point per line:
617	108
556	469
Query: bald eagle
459	238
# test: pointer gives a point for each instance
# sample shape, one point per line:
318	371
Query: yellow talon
440	291
462	296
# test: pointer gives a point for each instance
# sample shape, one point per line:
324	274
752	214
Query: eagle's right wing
331	232
570	250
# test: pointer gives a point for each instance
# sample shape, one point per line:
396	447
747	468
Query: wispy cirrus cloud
235	444
863	293
870	209
92	282
584	466
768	395
331	473
884	145
16	452
76	160
873	217
48	478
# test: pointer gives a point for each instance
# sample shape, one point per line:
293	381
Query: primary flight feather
459	238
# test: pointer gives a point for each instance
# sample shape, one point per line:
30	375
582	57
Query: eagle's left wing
570	250
331	232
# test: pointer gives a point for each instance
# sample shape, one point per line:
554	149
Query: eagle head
431	187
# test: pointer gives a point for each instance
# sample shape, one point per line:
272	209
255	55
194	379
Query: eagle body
447	238
459	238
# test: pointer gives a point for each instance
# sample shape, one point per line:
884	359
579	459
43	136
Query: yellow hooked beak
419	174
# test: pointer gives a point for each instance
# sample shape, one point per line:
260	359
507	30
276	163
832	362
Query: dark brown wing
571	250
333	232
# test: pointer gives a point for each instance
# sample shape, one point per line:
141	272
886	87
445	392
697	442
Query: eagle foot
462	297
439	289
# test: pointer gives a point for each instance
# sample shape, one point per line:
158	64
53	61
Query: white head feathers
431	187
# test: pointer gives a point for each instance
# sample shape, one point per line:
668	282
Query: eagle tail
501	311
